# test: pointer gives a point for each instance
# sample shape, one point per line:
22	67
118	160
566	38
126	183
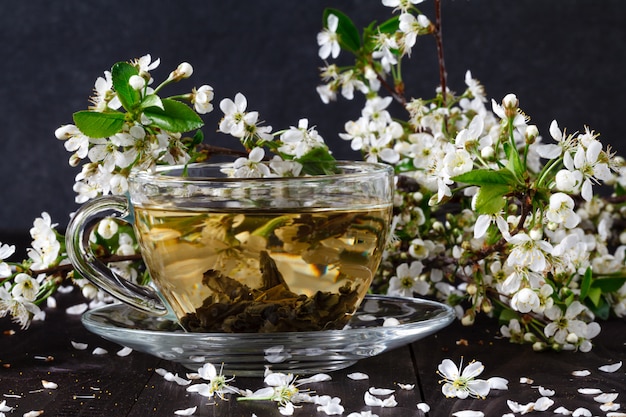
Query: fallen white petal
381	391
161	371
367	317
33	413
186	412
377	402
524	380
4	408
545	392
423	407
611	367
315	378
498	383
51	302
563	411
582	372
99	351
589	391
170	377
371	400
332	406
65	289
406	387
543	403
124	352
202	389
358	376
49	384
390	402
617	414
520	408
581	412
609	407
77	309
606	397
468	413
391	322
79	346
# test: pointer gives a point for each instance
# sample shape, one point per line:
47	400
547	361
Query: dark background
565	60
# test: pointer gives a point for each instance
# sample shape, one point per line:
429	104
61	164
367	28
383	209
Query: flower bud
471	289
536	233
510	101
184	70
66	131
531	134
467	319
539	346
572	338
487	152
136	82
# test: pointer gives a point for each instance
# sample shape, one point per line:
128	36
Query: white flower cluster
140	144
291	144
488	217
20	291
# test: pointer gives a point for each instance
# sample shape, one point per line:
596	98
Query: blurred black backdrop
565	60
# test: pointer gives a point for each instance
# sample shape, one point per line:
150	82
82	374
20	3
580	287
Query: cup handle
87	264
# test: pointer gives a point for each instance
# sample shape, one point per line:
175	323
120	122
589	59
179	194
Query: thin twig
439	41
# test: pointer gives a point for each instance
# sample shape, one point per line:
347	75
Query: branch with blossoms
488	217
131	126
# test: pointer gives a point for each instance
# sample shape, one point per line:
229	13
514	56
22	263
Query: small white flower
407	280
525	301
202	98
328	40
252	166
561	210
462	383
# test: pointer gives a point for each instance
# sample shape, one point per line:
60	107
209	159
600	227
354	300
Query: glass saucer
246	354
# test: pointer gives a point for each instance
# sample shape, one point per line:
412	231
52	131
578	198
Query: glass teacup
230	254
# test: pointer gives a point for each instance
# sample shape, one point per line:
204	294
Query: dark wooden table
110	385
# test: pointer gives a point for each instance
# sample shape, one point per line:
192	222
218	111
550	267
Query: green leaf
151	100
601	310
98	125
318	161
482	177
594	295
490	198
121	73
585	284
390	26
609	284
175	116
349	35
515	164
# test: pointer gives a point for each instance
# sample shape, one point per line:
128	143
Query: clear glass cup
230	254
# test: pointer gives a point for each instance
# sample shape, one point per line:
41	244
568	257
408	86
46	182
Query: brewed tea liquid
235	267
